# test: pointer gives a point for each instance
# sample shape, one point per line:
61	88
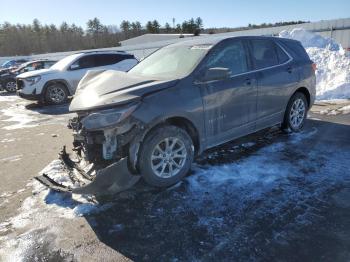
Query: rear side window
263	53
295	49
232	56
282	56
84	62
110	59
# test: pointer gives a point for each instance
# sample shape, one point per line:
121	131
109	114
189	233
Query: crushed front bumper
112	179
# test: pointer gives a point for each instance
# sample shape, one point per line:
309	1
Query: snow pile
333	65
309	39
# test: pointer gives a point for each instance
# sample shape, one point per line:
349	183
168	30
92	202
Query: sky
215	13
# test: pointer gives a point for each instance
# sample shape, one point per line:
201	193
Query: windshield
22	67
5	64
171	62
63	63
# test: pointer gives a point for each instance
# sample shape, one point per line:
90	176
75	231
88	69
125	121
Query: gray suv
188	97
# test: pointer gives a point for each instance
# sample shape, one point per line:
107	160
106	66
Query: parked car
55	85
13	63
8	79
185	98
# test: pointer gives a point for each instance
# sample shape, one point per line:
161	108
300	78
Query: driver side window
232	56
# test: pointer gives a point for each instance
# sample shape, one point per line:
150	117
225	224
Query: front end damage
102	164
106	132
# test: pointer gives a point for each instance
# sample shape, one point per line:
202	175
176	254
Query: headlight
106	118
33	80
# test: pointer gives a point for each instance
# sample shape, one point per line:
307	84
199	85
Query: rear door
276	76
229	104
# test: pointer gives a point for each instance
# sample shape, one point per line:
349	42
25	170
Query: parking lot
267	196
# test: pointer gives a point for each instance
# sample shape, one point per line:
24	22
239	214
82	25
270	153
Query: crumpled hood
98	89
37	72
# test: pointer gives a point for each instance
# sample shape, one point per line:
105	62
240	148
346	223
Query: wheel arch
60	81
178	121
181	122
306	92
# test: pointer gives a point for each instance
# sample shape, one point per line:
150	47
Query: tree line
250	26
35	38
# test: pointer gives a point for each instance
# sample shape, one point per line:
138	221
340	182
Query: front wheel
56	94
10	86
296	113
166	156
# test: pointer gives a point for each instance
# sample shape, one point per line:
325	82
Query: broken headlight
106	118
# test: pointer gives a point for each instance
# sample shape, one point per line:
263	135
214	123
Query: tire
56	94
10	86
296	113
150	156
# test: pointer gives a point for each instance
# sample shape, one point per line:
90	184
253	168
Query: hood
37	72
99	89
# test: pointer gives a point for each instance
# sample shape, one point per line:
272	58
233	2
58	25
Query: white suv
56	84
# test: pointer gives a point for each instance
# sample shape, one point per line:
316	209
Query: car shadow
49	109
236	221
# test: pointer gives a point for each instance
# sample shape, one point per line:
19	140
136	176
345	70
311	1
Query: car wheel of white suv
56	94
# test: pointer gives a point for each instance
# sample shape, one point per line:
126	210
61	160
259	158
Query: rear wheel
56	94
166	156
10	86
295	114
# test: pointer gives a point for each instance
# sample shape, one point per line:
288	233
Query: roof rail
101	51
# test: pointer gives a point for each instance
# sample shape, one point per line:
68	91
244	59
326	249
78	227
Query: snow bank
333	65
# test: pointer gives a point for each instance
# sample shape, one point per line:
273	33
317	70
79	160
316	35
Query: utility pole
174	22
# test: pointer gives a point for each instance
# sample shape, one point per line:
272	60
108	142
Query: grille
20	84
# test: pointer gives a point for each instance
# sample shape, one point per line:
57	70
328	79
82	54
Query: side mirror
216	73
74	67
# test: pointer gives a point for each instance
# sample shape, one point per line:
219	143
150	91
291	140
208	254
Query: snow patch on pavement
8	98
282	187
44	210
17	116
333	65
345	109
11	158
7	140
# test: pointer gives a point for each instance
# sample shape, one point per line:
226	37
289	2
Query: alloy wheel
57	95
11	86
168	157
297	113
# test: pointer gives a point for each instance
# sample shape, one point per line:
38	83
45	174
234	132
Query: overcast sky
215	13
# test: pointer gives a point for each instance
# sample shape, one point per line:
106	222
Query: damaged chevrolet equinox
184	98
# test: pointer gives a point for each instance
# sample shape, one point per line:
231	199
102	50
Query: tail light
314	66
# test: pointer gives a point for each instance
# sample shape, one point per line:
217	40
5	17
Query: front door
78	69
229	104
